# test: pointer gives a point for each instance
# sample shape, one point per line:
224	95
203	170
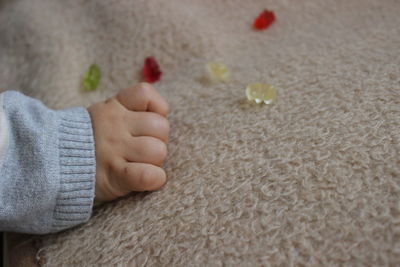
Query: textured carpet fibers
311	181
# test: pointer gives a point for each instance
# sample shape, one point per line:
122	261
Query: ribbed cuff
3	131
77	169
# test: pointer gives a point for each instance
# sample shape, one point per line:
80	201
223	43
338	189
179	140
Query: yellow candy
260	92
218	72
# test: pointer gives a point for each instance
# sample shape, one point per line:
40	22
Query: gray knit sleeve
47	166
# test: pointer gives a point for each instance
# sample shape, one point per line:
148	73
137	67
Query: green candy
91	79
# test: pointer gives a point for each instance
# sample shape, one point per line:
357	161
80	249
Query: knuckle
158	148
150	177
162	150
145	89
160	123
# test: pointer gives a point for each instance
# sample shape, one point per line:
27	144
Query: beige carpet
311	181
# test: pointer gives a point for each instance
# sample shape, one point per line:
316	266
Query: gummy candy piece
218	72
151	71
264	20
260	92
91	79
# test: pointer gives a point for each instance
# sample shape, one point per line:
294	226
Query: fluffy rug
312	181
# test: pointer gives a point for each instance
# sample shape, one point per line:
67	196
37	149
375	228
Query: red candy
151	71
264	20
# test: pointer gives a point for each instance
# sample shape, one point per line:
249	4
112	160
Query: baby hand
130	133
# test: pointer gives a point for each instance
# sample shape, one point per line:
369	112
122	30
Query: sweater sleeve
47	166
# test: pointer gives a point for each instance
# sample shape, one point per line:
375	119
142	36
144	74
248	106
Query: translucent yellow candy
218	72
260	92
